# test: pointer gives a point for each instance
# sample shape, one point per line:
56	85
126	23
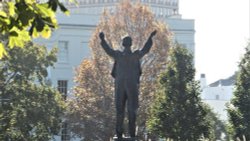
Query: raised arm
106	47
148	44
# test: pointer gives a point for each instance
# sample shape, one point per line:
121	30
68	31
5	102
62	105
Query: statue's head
127	41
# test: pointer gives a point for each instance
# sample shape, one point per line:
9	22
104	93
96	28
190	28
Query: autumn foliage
92	109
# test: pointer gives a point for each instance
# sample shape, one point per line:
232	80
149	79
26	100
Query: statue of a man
126	72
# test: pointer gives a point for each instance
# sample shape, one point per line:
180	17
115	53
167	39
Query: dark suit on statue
126	72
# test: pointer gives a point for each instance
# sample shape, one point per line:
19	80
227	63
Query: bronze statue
126	72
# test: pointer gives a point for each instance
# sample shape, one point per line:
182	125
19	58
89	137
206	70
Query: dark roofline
225	82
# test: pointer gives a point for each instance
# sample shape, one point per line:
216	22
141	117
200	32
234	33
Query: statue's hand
101	35
153	33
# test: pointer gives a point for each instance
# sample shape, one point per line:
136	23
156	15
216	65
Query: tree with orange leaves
92	110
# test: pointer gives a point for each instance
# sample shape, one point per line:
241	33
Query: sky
221	34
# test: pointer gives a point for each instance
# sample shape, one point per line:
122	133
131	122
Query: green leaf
2	50
3	14
40	24
25	19
24	35
20	39
64	9
11	6
4	21
14	41
46	32
30	1
45	10
13	33
53	5
35	33
67	13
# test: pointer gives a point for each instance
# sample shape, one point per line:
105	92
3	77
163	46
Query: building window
217	97
63	51
62	86
65	132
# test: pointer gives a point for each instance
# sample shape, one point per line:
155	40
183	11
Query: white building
74	33
218	94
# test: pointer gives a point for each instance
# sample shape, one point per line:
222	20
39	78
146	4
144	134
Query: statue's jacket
127	67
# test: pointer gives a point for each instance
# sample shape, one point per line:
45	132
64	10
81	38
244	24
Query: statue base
125	139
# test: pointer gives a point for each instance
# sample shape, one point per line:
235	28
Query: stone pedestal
125	139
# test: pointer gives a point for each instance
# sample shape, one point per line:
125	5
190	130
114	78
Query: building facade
74	33
218	94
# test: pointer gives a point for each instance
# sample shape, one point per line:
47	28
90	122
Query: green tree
239	107
30	110
22	19
219	128
177	112
93	103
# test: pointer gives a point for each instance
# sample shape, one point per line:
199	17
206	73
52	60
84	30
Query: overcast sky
222	32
